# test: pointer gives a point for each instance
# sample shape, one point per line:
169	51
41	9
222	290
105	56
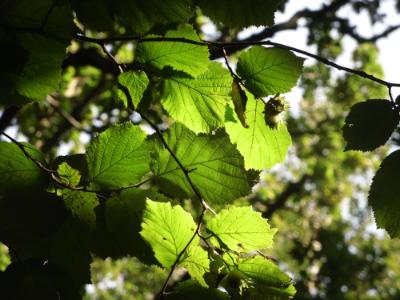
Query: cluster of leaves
124	196
97	202
369	125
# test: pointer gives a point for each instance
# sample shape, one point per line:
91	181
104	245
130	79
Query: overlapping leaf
241	229
118	157
190	289
68	175
29	215
82	206
180	56
18	173
135	83
196	261
384	197
269	71
198	103
167	229
270	293
45	34
264	271
370	124
240	13
140	15
261	145
216	167
123	215
67	248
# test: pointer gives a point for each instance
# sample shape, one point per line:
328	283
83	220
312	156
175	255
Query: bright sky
389	50
389	47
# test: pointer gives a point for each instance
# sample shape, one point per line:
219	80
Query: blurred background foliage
327	238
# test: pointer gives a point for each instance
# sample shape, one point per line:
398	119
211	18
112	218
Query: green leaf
241	229
167	229
141	15
190	289
68	175
189	58
269	71
123	216
196	261
370	124
216	167
198	103
30	215
263	271
42	73
48	32
239	98
137	15
96	14
47	16
75	161
18	173
270	293
240	13
82	206
136	83
13	58
118	157
261	145
384	197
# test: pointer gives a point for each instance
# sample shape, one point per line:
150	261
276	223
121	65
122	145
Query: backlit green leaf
135	83
241	229
198	103
196	261
118	157
123	216
264	271
269	71
68	175
216	167
261	145
189	58
167	229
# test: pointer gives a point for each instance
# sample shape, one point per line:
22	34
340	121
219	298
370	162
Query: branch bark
280	201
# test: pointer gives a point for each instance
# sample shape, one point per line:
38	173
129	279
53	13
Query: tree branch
76	114
280	201
8	115
226	46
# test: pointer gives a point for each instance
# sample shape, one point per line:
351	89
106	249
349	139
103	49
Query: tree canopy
140	151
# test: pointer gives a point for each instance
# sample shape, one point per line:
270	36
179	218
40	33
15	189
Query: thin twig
111	57
185	171
222	45
67	116
27	154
